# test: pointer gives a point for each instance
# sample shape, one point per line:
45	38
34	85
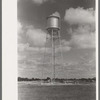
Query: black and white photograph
56	47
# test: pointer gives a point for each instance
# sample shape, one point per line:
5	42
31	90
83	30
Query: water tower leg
53	55
62	63
44	57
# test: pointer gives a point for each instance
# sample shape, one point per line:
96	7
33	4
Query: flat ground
56	92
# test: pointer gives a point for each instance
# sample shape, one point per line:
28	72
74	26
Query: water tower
53	29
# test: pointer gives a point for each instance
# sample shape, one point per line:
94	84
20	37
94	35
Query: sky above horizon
77	38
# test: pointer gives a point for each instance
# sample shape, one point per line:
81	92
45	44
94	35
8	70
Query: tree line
59	79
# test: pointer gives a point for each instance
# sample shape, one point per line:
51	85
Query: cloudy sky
77	38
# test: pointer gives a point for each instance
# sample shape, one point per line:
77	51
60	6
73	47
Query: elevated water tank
53	21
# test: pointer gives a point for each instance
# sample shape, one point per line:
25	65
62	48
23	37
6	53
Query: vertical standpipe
53	26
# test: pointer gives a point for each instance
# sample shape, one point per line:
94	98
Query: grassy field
63	92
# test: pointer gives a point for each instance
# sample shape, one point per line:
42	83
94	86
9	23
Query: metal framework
53	30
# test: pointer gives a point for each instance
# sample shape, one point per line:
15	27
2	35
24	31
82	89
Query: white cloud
82	36
83	40
36	36
22	47
19	27
65	46
31	35
39	1
35	40
80	16
89	61
25	47
19	30
21	57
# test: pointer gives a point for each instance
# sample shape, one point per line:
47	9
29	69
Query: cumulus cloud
22	47
28	56
80	16
86	40
26	48
31	35
21	57
82	27
19	30
64	46
39	1
19	27
36	36
36	41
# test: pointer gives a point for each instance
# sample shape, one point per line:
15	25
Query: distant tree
48	78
